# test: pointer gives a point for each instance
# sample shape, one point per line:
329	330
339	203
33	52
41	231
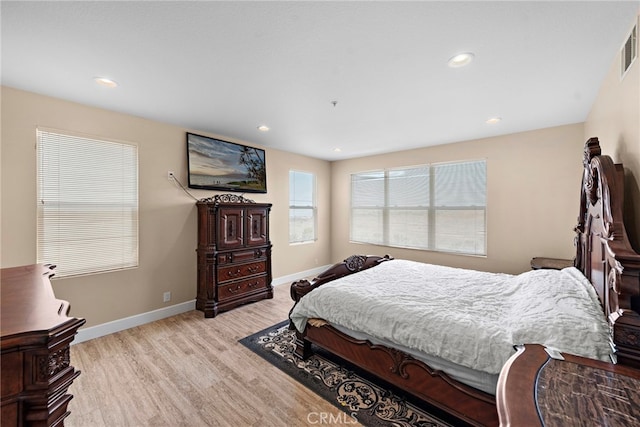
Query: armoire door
230	230
257	223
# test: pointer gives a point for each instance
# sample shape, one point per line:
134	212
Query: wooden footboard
395	367
406	373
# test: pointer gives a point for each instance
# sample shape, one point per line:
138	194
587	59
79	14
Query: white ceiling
228	67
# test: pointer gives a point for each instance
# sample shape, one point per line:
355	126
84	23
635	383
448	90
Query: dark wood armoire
234	253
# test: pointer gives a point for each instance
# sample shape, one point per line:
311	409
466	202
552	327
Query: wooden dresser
535	389
234	253
36	334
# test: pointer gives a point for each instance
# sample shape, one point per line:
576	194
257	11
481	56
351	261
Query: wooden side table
539	263
535	389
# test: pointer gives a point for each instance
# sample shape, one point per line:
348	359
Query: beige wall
533	189
615	120
167	214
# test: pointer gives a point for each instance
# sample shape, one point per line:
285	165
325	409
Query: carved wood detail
226	198
601	220
355	262
52	363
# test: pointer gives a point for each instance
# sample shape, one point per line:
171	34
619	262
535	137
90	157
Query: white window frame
294	206
87	203
427	238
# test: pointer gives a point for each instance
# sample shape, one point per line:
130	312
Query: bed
605	281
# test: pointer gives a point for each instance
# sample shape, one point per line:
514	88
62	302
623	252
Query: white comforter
468	317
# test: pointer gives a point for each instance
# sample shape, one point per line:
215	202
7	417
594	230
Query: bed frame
603	254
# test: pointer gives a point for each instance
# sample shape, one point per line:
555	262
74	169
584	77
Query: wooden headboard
603	251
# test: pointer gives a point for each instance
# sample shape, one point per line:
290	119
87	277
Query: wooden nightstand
539	263
535	389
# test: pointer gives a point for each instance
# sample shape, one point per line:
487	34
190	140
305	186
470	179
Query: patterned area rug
357	395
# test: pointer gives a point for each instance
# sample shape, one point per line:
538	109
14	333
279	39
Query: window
438	207
302	207
87	204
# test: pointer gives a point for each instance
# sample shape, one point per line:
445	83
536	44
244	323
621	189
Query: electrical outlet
170	175
166	297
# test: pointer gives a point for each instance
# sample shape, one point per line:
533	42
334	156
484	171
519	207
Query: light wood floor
190	371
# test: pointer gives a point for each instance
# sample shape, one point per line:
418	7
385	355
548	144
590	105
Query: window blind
368	192
459	203
436	207
87	204
302	207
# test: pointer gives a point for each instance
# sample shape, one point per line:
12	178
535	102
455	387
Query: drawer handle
253	285
234	291
233	273
254	269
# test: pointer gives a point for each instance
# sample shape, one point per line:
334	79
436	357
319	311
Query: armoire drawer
241	287
238	271
241	256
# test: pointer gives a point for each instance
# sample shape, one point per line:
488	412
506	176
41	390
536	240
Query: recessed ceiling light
103	81
337	150
493	120
460	60
263	128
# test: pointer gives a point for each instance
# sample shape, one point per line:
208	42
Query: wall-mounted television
215	164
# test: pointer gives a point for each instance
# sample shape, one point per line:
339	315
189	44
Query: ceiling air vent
629	50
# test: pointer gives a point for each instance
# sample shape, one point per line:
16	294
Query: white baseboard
86	334
297	276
